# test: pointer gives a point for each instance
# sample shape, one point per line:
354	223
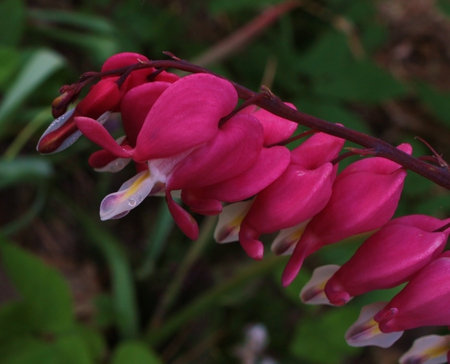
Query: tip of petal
365	331
313	292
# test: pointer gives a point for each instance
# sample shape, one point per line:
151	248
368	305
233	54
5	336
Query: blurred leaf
89	22
14	323
38	68
124	298
438	102
134	352
293	290
93	341
444	6
27	350
45	293
327	56
13	21
360	11
98	46
362	81
218	6
373	37
24	170
9	58
72	349
320	339
333	112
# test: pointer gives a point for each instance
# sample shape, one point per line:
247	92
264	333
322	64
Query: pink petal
271	163
233	150
186	115
318	149
97	133
124	59
136	105
276	129
182	218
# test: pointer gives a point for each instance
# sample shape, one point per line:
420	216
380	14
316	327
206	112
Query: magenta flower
422	302
299	193
276	129
388	258
365	196
185	116
103	97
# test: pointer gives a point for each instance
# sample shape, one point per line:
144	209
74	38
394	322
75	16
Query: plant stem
174	286
198	306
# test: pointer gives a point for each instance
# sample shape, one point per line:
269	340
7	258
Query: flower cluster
188	137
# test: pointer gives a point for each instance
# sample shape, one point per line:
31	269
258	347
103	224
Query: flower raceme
188	136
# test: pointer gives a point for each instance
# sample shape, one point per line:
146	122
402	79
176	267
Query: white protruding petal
130	195
365	331
431	349
313	292
117	164
72	138
229	224
284	243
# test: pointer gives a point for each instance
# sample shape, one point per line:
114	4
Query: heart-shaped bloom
103	97
388	258
299	193
422	302
365	197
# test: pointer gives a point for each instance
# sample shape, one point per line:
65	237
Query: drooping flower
422	302
103	97
365	197
299	193
388	258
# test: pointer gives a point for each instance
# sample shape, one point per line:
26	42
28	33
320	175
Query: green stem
201	304
174	286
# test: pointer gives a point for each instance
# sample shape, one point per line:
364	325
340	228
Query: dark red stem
439	175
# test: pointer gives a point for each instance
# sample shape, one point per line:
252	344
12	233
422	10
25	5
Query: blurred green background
77	290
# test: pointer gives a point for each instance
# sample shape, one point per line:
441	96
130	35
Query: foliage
160	297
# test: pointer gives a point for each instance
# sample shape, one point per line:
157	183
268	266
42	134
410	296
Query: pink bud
364	198
388	258
297	195
423	301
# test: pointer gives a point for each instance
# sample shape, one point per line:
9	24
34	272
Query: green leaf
124	298
134	352
27	350
218	6
38	68
333	112
89	22
437	102
72	349
328	55
24	170
14	323
320	339
93	341
13	21
44	292
360	81
444	6
9	58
